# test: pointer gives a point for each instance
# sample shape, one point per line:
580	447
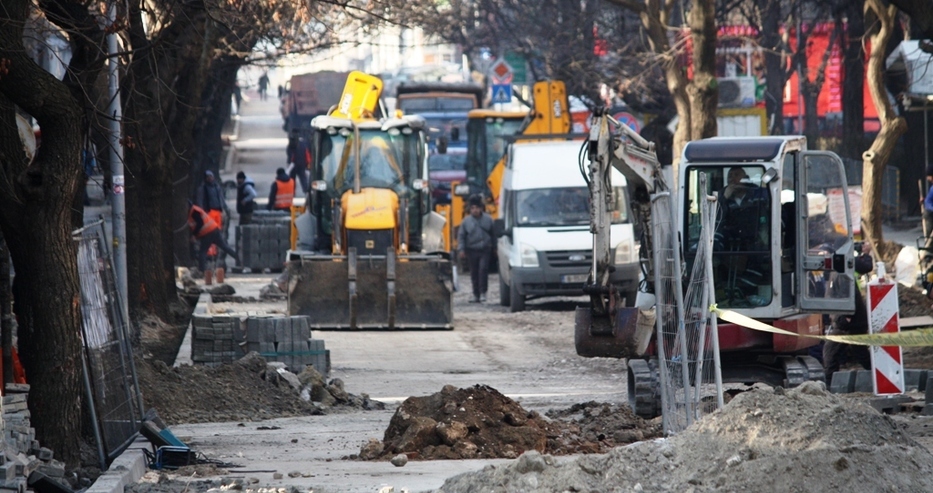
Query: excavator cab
783	244
367	244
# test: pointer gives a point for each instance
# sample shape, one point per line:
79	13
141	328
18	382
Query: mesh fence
109	371
686	332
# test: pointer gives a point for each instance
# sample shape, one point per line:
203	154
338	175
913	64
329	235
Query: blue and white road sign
501	93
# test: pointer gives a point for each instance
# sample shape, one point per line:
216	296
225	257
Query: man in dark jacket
245	197
210	196
835	354
475	243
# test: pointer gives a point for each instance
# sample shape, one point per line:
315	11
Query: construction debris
249	389
810	439
479	422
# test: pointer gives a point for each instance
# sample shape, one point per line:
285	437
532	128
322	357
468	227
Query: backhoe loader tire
644	388
504	298
516	299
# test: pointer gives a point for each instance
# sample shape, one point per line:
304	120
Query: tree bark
775	63
36	217
703	89
853	84
892	127
163	86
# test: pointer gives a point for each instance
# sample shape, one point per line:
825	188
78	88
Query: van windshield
569	206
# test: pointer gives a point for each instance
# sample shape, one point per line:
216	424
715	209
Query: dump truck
779	254
369	253
309	95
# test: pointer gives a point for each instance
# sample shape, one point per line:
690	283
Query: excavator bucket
371	292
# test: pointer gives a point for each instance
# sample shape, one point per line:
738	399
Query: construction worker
282	192
835	354
206	230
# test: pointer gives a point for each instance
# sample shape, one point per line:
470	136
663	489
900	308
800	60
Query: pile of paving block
262	243
219	339
23	463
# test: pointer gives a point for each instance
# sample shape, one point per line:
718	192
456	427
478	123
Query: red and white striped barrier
887	362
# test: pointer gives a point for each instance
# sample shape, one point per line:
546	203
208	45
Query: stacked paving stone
222	339
214	339
287	340
262	244
22	454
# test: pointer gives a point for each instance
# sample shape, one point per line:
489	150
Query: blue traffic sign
501	93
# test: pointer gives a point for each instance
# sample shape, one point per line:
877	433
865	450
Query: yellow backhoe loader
369	251
488	134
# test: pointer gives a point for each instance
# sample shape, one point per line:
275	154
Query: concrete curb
125	469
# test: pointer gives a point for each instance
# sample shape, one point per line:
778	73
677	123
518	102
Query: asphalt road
527	356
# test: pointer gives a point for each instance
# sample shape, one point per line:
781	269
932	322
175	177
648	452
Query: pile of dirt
248	389
479	422
812	440
912	302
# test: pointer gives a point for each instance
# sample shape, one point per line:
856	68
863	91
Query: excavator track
644	388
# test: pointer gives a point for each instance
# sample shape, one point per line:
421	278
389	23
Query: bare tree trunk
36	216
775	61
853	85
162	106
703	89
892	127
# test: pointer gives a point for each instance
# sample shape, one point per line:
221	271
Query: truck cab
546	248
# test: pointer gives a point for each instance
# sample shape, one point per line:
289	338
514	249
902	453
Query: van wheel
516	299
504	298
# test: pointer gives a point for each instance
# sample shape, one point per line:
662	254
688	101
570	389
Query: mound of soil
245	390
812	440
480	422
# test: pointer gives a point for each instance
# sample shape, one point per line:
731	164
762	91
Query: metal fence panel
110	374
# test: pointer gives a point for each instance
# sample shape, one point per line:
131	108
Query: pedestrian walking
475	244
206	230
263	85
282	192
245	197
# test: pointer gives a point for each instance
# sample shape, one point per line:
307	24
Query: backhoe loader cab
365	251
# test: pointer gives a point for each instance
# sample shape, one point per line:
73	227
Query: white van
545	247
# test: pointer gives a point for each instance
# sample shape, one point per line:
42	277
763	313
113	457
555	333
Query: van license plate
573	278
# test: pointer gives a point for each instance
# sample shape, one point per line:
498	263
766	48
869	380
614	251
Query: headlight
529	256
625	253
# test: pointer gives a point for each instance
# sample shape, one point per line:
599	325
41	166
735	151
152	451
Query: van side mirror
498	228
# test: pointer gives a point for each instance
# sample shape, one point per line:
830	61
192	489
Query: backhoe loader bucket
371	292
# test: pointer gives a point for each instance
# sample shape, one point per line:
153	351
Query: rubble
479	422
249	389
23	460
812	440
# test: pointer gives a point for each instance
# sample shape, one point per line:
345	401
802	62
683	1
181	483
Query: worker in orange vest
282	193
206	230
